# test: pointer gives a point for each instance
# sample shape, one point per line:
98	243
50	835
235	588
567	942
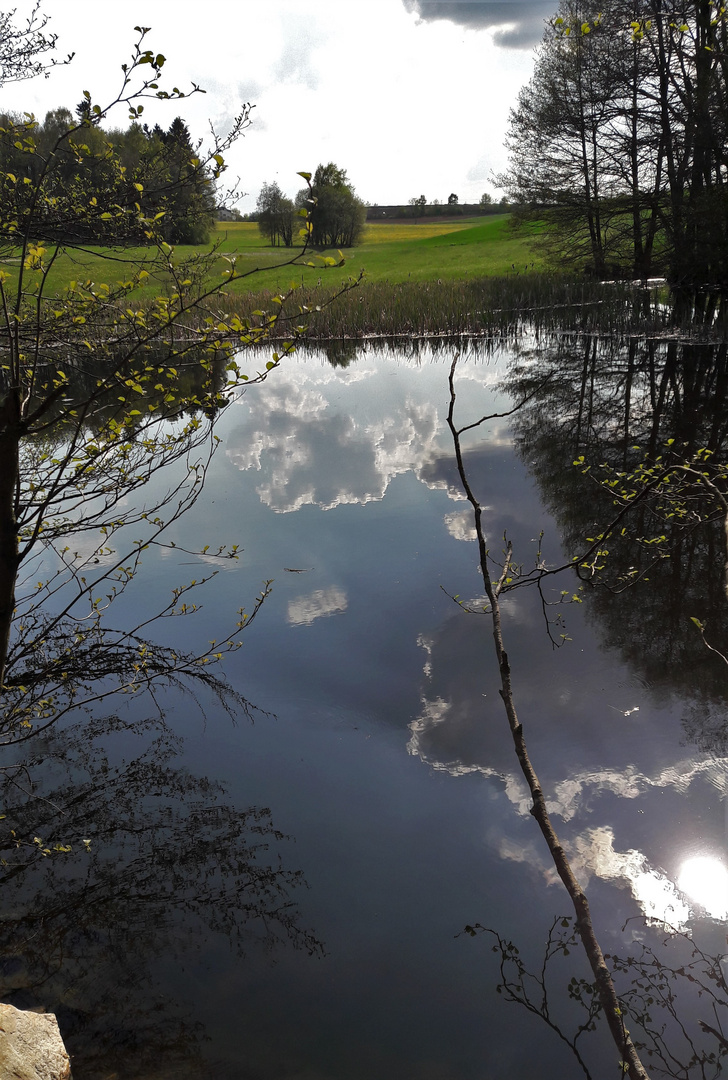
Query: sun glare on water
705	879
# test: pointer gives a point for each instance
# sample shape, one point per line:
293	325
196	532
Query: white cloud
571	794
426	644
308	69
436	712
435	738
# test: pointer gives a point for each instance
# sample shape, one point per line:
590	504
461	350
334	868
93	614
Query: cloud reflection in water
702	879
311	453
316	605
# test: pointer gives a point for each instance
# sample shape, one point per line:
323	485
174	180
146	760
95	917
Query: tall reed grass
471	308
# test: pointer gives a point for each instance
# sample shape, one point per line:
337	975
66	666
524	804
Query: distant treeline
138	171
410	212
450	210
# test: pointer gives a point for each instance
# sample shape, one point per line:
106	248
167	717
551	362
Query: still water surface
382	750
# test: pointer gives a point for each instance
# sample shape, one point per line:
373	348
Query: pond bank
472	308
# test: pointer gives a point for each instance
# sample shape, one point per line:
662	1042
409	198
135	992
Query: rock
31	1047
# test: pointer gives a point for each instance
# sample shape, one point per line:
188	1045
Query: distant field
397	252
394	252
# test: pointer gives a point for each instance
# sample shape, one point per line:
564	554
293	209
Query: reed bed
470	308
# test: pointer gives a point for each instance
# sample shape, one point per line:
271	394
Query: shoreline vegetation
434	279
473	308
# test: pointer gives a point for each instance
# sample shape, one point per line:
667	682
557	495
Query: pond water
380	746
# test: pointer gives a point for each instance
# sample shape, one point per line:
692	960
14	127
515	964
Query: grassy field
396	252
459	278
393	252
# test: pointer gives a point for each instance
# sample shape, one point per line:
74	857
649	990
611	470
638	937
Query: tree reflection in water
626	441
616	403
159	860
673	993
116	862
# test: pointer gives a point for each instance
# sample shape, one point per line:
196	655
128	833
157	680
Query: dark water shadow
119	866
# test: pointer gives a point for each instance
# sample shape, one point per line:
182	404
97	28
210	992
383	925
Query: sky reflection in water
389	761
359	462
324	438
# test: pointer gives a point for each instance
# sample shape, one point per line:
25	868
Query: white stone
31	1047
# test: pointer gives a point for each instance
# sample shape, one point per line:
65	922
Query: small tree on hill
337	214
276	215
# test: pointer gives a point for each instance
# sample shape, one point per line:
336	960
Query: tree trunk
9	474
630	1062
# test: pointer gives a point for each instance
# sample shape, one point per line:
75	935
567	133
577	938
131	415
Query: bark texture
9	470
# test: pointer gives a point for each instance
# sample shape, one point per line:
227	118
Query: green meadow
429	251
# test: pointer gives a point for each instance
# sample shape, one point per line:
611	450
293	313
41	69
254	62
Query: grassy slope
394	252
481	249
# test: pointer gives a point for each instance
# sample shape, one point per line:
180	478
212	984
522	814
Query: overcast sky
411	97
